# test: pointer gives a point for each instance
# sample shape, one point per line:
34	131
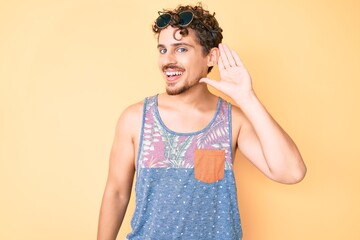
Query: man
181	143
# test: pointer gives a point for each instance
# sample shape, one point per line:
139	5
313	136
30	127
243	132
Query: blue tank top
185	186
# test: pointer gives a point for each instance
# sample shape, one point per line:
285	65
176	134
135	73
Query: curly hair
205	25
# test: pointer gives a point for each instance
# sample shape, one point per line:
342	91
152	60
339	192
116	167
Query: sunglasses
185	18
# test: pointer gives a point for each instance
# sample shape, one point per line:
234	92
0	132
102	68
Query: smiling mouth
173	73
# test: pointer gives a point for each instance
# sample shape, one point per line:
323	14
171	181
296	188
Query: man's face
182	61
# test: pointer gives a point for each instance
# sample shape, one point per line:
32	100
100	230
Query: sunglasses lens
185	18
163	20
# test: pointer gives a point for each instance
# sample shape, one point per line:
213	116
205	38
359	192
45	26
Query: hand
235	80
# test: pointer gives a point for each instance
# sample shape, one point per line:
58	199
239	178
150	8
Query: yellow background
68	69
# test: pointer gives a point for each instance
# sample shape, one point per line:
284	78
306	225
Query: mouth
173	74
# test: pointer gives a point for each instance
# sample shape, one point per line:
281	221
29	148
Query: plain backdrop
69	68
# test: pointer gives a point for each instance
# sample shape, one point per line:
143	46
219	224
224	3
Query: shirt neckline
157	113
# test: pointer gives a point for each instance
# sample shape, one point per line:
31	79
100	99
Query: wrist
246	99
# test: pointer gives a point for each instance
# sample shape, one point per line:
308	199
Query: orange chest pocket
209	165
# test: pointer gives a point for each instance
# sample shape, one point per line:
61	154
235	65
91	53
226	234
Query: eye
162	50
181	49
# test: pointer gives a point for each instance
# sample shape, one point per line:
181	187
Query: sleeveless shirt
185	186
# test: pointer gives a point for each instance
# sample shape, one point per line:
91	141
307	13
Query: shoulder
236	112
238	118
134	110
130	119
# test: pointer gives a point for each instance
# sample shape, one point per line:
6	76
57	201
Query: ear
213	57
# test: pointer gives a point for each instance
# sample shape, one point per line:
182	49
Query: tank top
185	186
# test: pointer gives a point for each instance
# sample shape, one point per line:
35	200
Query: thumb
209	81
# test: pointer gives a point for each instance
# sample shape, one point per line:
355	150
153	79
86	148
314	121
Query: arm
120	179
260	138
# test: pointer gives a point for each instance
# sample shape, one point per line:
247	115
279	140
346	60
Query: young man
181	143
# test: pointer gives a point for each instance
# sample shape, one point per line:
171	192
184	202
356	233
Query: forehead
170	35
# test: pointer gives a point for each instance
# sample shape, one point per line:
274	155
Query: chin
176	91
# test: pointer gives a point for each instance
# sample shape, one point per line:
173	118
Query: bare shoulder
131	118
134	110
238	120
238	116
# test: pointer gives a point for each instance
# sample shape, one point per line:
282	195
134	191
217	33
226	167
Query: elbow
291	175
295	177
120	196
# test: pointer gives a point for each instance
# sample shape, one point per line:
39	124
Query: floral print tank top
185	186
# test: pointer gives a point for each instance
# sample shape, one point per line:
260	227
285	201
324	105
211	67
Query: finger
228	55
221	64
237	59
223	58
210	82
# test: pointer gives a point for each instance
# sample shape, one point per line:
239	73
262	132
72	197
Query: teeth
173	73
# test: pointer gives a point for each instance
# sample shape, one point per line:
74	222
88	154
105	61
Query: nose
168	58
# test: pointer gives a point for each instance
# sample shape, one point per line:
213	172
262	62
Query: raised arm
120	177
260	138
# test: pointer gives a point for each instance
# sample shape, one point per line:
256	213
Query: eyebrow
176	45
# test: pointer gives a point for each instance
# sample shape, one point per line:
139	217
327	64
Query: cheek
160	62
201	64
164	60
